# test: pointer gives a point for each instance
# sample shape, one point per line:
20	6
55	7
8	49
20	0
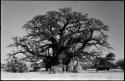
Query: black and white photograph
62	40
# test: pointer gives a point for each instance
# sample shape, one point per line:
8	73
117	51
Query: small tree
110	56
104	62
120	63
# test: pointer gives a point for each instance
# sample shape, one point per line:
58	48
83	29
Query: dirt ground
91	74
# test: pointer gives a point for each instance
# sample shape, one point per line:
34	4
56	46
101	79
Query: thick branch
27	49
63	28
45	46
85	42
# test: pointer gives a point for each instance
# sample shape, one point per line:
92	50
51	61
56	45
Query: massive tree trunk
59	58
50	61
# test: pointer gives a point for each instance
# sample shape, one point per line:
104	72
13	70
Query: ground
91	74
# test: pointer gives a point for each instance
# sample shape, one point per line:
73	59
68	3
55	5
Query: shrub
120	63
85	65
3	66
14	65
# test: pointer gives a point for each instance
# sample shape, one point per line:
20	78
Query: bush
16	66
120	63
86	65
3	66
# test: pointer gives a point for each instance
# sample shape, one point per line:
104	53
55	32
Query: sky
14	14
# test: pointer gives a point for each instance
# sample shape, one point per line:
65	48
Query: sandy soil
86	75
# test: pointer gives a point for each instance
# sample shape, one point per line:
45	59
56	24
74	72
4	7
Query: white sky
14	14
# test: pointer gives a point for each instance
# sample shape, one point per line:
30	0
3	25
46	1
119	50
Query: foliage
103	63
110	56
3	66
65	32
120	63
86	65
14	65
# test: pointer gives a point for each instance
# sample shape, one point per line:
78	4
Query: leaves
62	30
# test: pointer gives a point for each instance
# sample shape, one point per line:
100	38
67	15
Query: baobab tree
58	36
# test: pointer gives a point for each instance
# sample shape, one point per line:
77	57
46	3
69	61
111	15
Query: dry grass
91	74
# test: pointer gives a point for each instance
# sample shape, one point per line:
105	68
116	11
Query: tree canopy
60	34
